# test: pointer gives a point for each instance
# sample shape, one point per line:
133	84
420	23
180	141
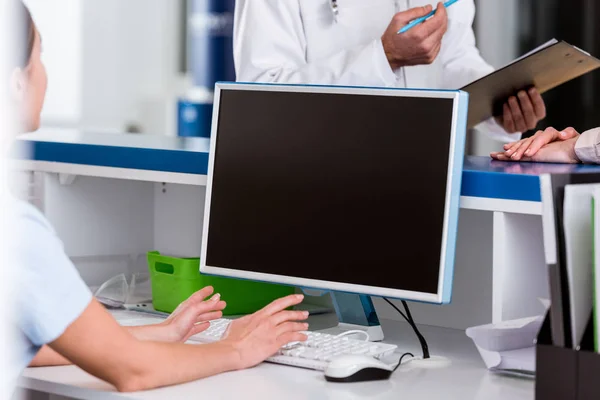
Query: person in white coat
355	43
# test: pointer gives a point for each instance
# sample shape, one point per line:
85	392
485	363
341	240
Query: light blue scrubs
49	294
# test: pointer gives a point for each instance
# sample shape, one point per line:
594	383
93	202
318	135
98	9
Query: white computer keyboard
314	353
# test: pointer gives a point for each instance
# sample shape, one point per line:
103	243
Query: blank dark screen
343	188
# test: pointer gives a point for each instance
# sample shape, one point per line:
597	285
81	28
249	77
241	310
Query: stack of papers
508	346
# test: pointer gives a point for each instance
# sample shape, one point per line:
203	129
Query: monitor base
357	312
375	332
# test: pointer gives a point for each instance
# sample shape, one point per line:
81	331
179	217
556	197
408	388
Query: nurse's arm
98	345
191	317
47	357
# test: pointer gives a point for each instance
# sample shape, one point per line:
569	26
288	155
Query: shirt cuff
587	146
382	65
495	131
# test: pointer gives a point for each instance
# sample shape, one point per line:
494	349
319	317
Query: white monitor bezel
444	288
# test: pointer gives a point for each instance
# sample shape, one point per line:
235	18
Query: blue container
210	34
210	55
194	118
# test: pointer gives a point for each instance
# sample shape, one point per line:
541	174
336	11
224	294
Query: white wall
110	62
60	24
497	30
130	62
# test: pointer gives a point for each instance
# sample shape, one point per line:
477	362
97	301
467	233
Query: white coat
304	41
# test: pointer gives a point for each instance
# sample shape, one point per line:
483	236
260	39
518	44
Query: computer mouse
357	368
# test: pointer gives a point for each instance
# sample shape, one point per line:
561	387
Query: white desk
131	190
466	379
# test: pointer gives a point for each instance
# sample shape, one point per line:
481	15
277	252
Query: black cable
411	322
400	362
407	311
397	309
424	345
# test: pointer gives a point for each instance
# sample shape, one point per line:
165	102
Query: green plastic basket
174	279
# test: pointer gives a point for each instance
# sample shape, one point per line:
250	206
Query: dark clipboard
544	69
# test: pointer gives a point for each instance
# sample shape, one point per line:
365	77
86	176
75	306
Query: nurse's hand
522	112
419	45
258	336
190	317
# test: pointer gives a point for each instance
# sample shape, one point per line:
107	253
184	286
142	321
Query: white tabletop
466	378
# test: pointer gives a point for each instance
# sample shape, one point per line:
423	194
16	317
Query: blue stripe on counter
187	162
501	186
482	177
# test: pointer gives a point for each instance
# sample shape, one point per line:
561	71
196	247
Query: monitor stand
355	312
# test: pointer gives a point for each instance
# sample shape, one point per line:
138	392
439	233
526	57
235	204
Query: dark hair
25	35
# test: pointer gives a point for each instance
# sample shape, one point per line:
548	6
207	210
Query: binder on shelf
565	373
556	368
589	366
565	370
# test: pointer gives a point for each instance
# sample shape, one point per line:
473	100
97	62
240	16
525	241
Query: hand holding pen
424	18
421	43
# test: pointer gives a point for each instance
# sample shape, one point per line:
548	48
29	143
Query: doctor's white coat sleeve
463	63
270	46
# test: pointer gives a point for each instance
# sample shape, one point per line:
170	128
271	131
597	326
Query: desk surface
466	379
482	177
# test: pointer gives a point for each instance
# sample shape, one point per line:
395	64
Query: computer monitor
339	188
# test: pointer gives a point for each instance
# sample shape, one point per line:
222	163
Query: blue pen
424	18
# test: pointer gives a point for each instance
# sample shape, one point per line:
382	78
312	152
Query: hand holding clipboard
545	68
